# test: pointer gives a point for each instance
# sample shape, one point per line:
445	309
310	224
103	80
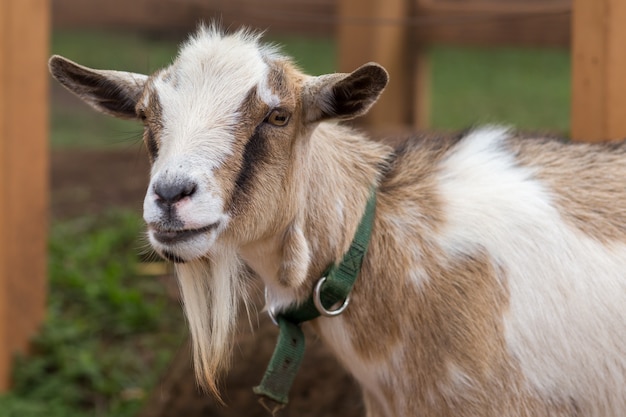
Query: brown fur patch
280	78
448	340
440	317
261	161
227	175
587	182
332	214
152	118
407	204
151	115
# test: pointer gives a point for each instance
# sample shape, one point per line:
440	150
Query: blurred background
97	328
469	61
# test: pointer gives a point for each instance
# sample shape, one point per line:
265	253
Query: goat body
495	281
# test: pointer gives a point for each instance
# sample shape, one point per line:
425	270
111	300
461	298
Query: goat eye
277	117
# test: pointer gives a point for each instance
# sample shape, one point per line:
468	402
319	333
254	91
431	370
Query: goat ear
344	96
112	92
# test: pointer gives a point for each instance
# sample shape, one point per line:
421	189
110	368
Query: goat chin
211	289
185	251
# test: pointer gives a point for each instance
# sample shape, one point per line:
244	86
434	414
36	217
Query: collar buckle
317	301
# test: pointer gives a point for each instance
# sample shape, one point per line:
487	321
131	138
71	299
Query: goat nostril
173	192
189	189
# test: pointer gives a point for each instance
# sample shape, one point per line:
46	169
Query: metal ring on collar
318	301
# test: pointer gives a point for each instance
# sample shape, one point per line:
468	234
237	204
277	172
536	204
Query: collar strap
333	288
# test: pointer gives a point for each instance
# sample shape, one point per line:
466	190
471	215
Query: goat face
221	126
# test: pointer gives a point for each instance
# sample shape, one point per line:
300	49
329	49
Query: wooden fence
396	33
598	70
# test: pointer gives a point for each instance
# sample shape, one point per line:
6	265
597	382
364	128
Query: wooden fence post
374	30
598	70
24	34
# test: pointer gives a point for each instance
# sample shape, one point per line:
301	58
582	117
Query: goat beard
211	289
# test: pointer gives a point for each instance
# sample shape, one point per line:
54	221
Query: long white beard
211	289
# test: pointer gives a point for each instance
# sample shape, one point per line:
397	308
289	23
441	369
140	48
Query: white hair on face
211	289
203	90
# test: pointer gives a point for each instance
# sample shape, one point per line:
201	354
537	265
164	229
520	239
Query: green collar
333	288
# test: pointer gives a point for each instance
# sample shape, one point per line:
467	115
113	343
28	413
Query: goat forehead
211	86
205	88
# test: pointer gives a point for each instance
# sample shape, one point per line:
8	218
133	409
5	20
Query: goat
495	279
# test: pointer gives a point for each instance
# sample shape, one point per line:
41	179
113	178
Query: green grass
316	56
108	50
108	333
527	88
82	127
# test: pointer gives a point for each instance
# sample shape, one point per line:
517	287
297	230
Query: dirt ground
89	181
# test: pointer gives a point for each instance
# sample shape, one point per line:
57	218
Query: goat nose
171	192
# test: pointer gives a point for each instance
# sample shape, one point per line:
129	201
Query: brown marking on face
255	177
152	118
232	170
168	75
281	78
586	181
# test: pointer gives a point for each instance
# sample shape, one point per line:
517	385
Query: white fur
494	205
210	286
370	374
